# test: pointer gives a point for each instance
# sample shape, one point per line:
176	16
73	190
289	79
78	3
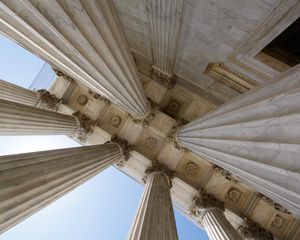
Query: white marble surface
256	137
84	40
31	181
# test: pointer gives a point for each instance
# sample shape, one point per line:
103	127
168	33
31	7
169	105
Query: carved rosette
99	97
224	173
125	147
61	74
269	201
159	168
252	230
145	121
48	99
85	126
172	136
205	201
163	79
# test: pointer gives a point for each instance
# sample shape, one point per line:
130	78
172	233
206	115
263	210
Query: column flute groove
30	181
86	42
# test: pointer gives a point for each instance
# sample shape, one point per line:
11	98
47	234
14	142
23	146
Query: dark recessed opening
286	46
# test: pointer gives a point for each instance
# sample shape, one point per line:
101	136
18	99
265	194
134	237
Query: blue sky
103	208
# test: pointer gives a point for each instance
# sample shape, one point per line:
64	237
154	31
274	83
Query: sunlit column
30	181
155	217
209	211
41	98
257	138
84	39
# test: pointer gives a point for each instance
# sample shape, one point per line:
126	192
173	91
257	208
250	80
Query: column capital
48	99
125	147
159	168
99	97
164	79
252	230
227	175
85	126
61	74
145	120
172	136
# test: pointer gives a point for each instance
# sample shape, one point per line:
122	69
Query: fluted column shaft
14	93
217	226
19	119
84	39
155	217
165	20
257	138
30	181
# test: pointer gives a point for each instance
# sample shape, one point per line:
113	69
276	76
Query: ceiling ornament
82	99
191	168
277	222
125	147
230	77
269	201
116	120
252	230
48	99
99	97
224	173
234	194
85	126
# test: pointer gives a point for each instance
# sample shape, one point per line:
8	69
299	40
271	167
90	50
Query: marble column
253	231
155	217
257	138
20	119
40	98
31	181
165	21
83	39
209	211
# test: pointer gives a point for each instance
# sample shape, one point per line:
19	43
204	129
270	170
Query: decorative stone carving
277	221
61	74
206	200
85	126
159	167
234	194
151	142
230	77
277	206
163	79
99	97
125	148
224	173
116	120
82	99
145	121
45	97
172	136
191	168
252	230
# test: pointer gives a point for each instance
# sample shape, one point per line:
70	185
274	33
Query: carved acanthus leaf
99	97
172	136
145	121
252	230
45	97
126	148
159	167
163	79
85	126
269	201
227	175
61	74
